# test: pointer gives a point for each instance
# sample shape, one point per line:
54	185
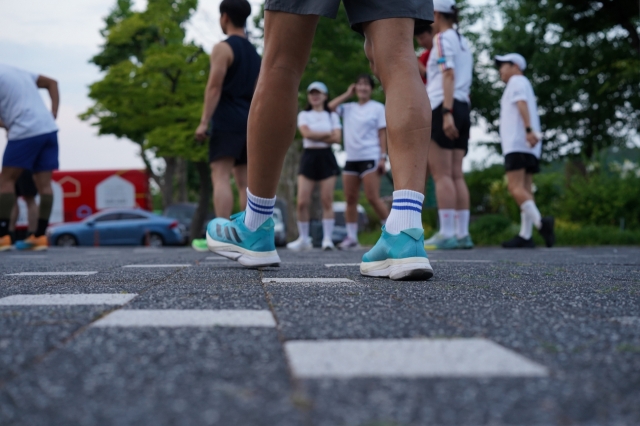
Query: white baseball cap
444	6
515	58
319	86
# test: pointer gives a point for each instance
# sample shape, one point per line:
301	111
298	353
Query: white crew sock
406	211
258	210
462	223
526	226
532	212
447	222
352	231
303	230
327	229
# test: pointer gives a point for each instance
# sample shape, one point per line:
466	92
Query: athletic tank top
232	111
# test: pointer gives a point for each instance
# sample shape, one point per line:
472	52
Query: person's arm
523	109
314	136
382	164
335	137
2	124
335	102
220	60
52	87
448	124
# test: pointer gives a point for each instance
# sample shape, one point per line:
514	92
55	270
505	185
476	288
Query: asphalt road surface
124	336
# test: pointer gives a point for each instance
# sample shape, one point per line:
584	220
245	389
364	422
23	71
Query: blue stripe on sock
407	200
415	209
259	209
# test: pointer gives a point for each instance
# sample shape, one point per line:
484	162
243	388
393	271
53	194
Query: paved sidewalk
124	336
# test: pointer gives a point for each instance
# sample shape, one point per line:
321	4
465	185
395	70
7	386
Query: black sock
4	227
42	227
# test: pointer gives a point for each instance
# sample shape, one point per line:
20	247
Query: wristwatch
446	111
528	129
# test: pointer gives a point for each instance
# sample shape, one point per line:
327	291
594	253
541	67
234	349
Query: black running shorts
359	11
25	186
227	144
461	117
521	160
360	168
318	164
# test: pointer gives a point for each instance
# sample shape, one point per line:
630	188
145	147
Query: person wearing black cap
449	74
521	146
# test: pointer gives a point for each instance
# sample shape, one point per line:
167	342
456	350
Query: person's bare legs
272	118
240	176
389	47
351	184
32	215
327	188
372	192
516	181
462	192
305	188
441	165
222	194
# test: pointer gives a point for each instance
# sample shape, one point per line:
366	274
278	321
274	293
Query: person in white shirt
521	146
320	128
449	73
365	141
32	145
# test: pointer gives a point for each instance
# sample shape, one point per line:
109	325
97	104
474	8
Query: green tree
584	57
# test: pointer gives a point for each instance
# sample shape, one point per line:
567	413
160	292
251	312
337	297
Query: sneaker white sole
411	268
251	259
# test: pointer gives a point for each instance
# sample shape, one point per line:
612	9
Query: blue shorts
37	153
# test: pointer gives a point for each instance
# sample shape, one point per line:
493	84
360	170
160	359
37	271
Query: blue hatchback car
118	227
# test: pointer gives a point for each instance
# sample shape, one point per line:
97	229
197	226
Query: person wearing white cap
320	128
289	27
521	147
449	74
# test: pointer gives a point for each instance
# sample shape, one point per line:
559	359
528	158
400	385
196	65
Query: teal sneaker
465	242
233	240
443	244
433	239
399	257
200	244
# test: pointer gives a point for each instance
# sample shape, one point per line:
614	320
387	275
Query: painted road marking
461	260
66	299
408	358
28	256
187	318
306	280
177	265
56	274
337	265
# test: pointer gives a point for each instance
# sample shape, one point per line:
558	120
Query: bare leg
440	165
32	214
528	184
516	182
389	47
462	192
222	194
8	179
305	188
272	118
327	188
240	176
372	191
351	185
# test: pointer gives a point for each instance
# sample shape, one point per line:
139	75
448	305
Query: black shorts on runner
360	168
318	164
25	186
360	11
521	160
461	117
227	144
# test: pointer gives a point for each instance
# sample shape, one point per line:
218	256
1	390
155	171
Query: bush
492	229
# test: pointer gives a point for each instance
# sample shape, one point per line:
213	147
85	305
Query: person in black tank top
234	69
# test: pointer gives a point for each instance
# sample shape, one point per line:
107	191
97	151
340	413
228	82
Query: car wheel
66	240
155	240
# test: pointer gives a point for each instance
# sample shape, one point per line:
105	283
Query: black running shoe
519	242
546	230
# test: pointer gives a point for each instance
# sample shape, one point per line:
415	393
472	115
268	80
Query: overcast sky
57	39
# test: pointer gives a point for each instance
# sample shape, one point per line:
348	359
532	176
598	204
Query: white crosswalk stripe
306	280
66	299
53	274
187	318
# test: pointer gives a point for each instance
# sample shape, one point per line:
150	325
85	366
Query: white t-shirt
512	131
449	52
361	125
318	121
21	107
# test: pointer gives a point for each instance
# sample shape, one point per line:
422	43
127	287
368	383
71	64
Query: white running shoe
434	239
301	244
328	245
348	244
